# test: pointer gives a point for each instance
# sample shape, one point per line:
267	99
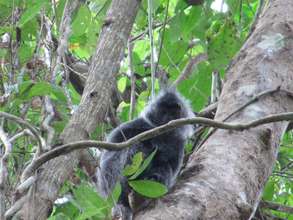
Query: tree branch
67	148
244	105
24	123
276	207
189	68
4	170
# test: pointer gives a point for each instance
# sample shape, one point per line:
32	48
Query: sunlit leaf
144	165
121	84
31	12
133	167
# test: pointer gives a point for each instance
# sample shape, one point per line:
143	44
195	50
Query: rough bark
94	103
225	178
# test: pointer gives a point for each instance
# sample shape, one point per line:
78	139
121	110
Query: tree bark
92	109
225	178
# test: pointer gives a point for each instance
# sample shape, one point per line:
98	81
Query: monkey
165	165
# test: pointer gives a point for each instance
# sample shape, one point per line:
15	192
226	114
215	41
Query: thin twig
142	34
67	148
81	75
64	30
283	174
24	123
65	80
240	108
49	112
288	166
276	207
132	79
152	46
163	34
4	170
189	67
20	134
39	42
216	86
210	109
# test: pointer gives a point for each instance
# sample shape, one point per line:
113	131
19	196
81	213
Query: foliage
187	31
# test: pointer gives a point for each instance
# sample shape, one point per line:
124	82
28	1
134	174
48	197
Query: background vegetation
182	31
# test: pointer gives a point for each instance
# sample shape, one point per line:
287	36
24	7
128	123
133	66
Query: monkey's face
166	108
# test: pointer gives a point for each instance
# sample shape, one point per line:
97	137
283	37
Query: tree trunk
225	178
92	109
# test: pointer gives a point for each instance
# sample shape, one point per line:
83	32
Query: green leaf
59	11
121	84
25	53
133	167
91	212
188	147
223	45
25	86
175	26
172	52
269	190
142	100
137	64
198	84
30	31
192	20
81	21
4	29
65	211
144	165
148	188
59	125
90	202
59	216
142	49
29	89
113	198
31	12
123	111
58	94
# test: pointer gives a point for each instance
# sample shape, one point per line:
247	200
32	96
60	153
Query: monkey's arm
113	162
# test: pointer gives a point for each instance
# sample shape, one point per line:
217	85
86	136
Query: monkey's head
168	105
